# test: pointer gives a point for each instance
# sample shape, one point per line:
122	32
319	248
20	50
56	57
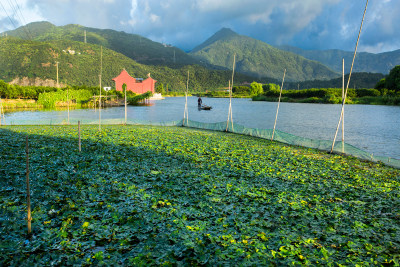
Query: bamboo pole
28	194
126	113
230	108
68	102
343	108
187	92
101	70
277	109
230	96
1	111
233	68
348	81
186	112
79	136
100	104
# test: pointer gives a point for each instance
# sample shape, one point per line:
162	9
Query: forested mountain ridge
136	47
254	57
364	62
358	80
79	64
24	58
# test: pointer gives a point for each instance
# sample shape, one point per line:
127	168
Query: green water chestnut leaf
145	195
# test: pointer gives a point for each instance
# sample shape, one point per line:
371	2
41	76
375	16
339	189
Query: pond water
375	129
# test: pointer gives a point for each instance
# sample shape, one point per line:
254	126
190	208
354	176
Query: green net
279	136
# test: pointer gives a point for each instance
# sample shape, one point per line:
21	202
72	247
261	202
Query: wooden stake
348	81
28	194
279	101
79	135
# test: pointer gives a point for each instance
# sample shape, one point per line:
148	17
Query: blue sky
308	24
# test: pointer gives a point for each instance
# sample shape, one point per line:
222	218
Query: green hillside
134	46
79	64
365	62
258	58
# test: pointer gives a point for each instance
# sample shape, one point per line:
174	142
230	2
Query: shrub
367	92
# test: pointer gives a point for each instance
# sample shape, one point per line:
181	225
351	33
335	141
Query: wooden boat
204	107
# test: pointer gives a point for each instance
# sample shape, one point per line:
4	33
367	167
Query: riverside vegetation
143	195
386	91
51	97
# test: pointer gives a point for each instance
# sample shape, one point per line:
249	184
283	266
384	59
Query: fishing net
279	136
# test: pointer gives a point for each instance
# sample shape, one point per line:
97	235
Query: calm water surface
375	129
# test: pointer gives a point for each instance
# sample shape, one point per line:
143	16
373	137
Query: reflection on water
375	129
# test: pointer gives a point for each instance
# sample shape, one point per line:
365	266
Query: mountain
79	64
134	46
254	57
364	62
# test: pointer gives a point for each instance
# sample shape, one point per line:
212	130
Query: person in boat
199	102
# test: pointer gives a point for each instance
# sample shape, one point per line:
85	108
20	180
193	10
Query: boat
204	107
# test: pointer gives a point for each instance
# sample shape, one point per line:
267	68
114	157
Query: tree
271	86
244	90
381	84
256	88
393	79
160	88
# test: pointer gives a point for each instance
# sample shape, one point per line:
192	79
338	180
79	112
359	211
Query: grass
19	103
141	195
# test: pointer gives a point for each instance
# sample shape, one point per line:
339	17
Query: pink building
138	86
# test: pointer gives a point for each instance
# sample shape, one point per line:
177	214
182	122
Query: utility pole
85	36
58	86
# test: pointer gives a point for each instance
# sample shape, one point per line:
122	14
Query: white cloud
154	18
187	23
20	12
379	47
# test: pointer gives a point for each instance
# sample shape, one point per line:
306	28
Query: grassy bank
170	195
20	103
366	100
331	96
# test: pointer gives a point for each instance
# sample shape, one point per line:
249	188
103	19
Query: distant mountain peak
223	34
255	57
226	32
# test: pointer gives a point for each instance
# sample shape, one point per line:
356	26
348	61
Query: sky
308	24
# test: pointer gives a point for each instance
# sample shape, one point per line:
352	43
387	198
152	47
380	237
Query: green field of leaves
146	195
